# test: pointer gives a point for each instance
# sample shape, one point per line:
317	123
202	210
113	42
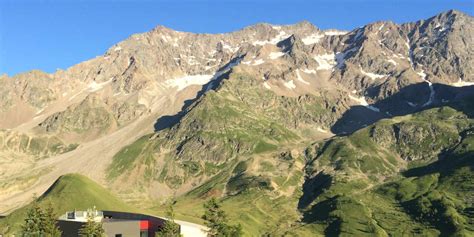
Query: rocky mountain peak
452	14
162	29
304	28
294	42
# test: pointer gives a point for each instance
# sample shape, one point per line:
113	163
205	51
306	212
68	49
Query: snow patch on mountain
381	27
407	44
363	102
275	55
209	67
183	82
372	76
258	62
325	61
276	27
422	74
265	84
254	62
312	39
94	86
309	71
290	84
221	72
400	56
281	36
39	111
392	62
462	83
341	57
299	78
322	130
74	96
166	38
335	32
229	48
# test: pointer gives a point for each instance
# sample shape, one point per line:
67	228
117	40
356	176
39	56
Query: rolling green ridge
370	183
367	184
69	192
253	150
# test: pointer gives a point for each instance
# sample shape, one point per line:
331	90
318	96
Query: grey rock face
365	67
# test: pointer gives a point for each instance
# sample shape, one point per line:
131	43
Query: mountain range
298	131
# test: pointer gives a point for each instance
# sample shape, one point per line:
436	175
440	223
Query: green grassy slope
250	149
405	176
69	192
260	205
223	126
367	184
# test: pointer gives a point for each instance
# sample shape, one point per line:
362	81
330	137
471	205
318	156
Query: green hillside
256	152
375	183
232	122
405	176
69	192
370	183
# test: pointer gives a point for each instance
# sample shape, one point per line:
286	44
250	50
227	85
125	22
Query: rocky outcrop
424	139
35	146
89	114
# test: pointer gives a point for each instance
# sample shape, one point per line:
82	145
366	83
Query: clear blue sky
47	35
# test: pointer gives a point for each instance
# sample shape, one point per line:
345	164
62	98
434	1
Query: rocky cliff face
371	63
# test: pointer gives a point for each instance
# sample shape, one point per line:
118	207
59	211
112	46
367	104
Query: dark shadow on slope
51	188
445	165
406	101
355	118
448	160
313	187
434	210
458	98
320	211
168	121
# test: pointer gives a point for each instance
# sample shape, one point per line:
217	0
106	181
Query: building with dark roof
115	224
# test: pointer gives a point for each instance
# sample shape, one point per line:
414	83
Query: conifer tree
216	221
32	227
171	228
49	222
91	228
